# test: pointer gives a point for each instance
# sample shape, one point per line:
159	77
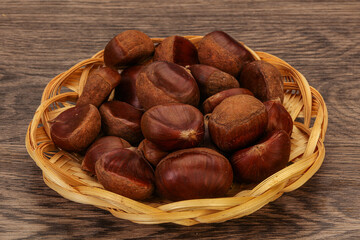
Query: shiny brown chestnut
126	90
125	172
151	152
220	50
279	117
98	86
165	82
211	80
262	79
128	48
176	49
210	103
256	163
76	128
98	148
237	122
193	173
173	126
122	120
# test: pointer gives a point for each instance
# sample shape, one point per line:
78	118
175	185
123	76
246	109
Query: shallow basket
62	172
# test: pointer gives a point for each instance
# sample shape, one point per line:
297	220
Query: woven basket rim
61	170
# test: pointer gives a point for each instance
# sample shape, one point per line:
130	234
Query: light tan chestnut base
62	172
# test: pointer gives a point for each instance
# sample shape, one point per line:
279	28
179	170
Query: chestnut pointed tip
190	135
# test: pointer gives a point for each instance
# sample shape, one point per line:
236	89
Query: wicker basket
62	172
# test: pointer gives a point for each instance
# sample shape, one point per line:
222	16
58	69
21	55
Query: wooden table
321	39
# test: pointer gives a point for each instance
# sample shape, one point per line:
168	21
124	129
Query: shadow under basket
62	172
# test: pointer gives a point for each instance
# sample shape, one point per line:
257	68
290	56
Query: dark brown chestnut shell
210	103
151	152
279	117
173	126
98	86
128	48
220	50
125	172
165	82
98	148
212	80
256	163
176	49
207	142
193	173
122	120
126	90
76	128
237	122
264	80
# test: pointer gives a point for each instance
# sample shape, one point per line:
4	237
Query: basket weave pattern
62	172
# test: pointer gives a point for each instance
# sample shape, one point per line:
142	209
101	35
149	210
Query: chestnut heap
183	122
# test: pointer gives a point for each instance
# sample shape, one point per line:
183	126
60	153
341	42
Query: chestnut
128	48
125	172
256	163
279	117
220	50
173	126
76	128
193	173
207	141
264	80
126	90
237	122
165	82
176	49
211	80
98	86
210	103
122	120
152	153
98	148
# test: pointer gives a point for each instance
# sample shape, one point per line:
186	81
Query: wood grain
319	38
